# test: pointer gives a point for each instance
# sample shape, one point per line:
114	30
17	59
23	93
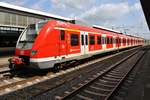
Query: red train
47	44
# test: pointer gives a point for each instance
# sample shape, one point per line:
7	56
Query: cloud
106	12
71	8
118	15
34	4
136	7
39	5
16	2
139	24
72	4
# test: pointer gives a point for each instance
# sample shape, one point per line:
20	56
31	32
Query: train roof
83	23
107	29
99	29
80	27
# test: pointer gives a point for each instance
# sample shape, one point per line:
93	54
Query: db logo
21	52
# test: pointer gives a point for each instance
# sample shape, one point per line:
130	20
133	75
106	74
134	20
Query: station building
13	19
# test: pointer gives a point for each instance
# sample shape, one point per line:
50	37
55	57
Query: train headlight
33	52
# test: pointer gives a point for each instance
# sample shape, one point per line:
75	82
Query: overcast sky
123	15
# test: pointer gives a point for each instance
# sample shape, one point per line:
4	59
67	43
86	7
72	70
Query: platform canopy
146	8
19	16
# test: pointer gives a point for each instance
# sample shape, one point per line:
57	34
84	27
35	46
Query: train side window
86	39
82	39
111	41
98	39
119	40
62	34
124	40
114	40
92	40
74	39
107	40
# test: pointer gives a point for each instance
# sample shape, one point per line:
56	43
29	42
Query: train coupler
15	61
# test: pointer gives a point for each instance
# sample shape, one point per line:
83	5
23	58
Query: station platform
5	54
4	60
140	88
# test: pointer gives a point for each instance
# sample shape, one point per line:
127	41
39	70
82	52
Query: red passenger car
47	44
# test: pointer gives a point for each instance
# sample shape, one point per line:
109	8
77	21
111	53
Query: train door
120	42
84	42
114	42
104	41
117	42
62	43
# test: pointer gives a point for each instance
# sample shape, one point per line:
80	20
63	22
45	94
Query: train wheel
12	66
13	69
56	67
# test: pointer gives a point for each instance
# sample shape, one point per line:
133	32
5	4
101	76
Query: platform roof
146	8
26	11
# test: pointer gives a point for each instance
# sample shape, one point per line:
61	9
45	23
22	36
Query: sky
122	15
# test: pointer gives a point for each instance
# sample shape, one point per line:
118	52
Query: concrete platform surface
4	60
140	88
5	54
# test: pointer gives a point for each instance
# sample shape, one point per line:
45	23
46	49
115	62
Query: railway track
4	70
7	78
102	85
36	79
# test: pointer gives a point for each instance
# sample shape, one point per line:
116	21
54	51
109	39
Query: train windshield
30	34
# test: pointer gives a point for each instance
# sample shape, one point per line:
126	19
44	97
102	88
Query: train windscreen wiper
26	41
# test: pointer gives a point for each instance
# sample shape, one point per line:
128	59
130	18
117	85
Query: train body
45	44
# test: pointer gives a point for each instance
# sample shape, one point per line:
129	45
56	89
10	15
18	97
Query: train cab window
92	40
62	34
98	39
74	39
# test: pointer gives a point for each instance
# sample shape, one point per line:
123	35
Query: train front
24	46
